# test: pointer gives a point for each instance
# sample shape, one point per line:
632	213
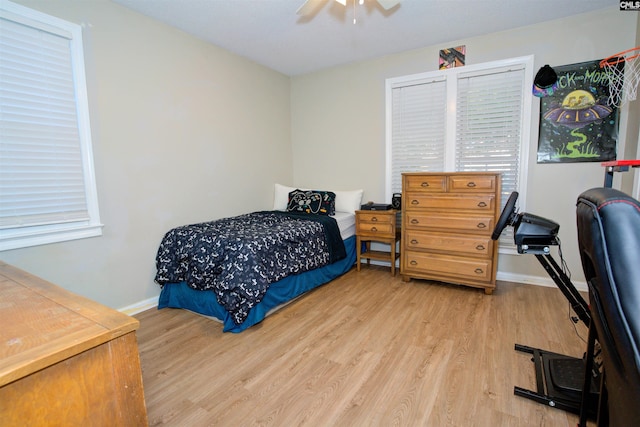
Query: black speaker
396	200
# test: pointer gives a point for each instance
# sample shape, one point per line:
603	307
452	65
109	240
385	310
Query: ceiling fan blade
388	4
309	7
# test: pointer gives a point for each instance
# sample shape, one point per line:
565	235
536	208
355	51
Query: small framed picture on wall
452	57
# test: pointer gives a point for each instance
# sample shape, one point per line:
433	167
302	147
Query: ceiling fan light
309	7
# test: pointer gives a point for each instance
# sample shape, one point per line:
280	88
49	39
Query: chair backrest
609	242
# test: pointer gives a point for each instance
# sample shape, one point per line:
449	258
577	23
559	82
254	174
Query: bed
260	279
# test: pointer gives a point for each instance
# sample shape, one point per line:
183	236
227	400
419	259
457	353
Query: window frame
451	76
27	236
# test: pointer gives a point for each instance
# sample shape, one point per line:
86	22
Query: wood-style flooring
367	349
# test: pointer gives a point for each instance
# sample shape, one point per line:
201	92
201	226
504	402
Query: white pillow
346	201
281	197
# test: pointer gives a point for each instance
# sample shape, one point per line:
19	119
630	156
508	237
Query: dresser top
451	173
43	324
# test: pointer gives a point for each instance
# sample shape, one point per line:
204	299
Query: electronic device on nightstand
370	206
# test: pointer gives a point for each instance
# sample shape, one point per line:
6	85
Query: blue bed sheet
180	295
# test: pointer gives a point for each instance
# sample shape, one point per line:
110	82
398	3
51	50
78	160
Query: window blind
488	125
41	172
418	129
465	119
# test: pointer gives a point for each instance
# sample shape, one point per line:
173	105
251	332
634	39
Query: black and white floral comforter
238	257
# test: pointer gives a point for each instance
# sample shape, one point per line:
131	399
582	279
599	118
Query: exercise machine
559	378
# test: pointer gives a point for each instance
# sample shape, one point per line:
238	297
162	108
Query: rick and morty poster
576	122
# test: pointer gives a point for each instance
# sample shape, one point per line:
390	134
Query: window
466	119
47	184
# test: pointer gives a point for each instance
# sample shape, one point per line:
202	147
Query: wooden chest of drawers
447	220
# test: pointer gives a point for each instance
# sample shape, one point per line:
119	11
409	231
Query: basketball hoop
622	71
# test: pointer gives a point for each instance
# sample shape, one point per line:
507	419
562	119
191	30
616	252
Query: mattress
346	223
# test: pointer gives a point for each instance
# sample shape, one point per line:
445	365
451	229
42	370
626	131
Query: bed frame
180	295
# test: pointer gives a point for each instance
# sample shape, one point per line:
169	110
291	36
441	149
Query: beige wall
338	119
183	132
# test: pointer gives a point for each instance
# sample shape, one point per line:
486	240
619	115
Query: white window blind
418	129
488	124
465	119
47	191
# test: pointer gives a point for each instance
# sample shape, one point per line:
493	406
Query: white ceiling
271	33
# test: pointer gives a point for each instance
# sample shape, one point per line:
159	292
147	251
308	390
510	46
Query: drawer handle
374	229
481	225
374	219
414	242
425	184
478	271
415	221
415	202
471	184
482	205
480	247
413	262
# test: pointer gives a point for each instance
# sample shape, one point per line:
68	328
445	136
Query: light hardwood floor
364	350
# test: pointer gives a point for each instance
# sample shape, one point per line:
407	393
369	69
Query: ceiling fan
309	6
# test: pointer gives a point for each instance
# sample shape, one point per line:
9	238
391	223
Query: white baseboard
139	307
537	280
518	278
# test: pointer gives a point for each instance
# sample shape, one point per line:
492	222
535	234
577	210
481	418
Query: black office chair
609	243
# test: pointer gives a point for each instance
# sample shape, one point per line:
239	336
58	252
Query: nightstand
380	227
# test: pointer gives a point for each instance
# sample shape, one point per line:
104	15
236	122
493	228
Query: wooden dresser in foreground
65	360
447	221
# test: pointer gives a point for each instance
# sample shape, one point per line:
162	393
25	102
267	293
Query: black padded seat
609	243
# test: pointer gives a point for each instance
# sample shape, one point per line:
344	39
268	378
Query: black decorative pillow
312	201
